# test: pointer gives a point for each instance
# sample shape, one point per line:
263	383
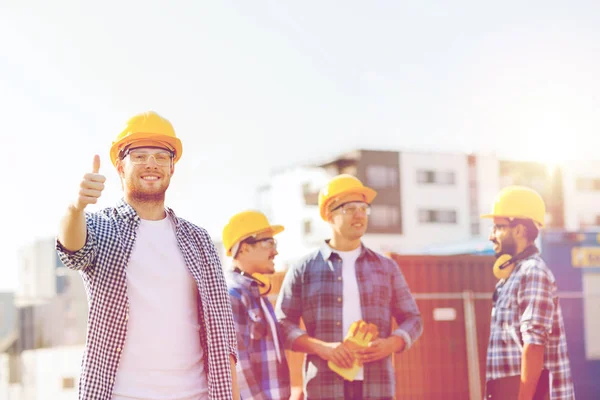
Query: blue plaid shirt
313	290
260	375
527	307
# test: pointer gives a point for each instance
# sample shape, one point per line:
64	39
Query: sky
254	86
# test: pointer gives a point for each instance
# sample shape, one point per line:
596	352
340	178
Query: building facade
425	199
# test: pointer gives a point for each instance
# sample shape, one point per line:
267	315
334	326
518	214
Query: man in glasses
527	345
341	283
262	369
160	323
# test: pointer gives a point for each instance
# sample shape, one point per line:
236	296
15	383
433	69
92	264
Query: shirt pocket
505	319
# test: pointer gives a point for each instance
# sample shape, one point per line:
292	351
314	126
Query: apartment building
424	199
50	299
581	184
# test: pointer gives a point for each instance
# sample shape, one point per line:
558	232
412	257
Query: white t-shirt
351	311
162	357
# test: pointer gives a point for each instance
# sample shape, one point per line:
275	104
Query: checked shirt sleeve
536	305
84	258
404	309
288	308
250	387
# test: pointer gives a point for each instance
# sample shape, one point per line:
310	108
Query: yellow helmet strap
263	281
505	264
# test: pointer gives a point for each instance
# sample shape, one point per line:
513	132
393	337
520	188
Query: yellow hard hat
245	224
147	127
341	185
519	202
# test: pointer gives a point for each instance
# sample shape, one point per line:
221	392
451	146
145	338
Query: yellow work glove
359	335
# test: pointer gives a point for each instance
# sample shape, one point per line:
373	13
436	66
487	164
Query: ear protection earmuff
505	264
263	281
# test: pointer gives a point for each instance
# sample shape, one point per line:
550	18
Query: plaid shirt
313	290
527	306
102	261
260	375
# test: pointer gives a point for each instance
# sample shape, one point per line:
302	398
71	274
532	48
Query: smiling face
146	173
257	254
349	217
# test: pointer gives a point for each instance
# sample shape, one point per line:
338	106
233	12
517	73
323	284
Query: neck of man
341	243
521	246
149	209
241	266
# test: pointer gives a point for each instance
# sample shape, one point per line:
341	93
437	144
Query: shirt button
118	349
338	323
132	236
339	278
339	299
126	317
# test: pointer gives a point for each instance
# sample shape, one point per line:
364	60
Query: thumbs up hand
91	186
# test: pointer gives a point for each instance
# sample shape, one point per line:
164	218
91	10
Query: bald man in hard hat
527	350
160	324
337	285
262	369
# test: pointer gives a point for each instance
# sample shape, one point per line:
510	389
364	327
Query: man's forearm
532	363
308	345
73	230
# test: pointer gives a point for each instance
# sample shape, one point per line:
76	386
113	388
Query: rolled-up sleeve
536	305
84	258
288	308
404	309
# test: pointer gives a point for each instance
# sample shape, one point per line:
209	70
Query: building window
349	169
436	177
311	196
381	176
424	176
307	227
587	185
384	216
437	216
445	178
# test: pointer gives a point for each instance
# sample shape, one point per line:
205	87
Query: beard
507	246
141	194
144	197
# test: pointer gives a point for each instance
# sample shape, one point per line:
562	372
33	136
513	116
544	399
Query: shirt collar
244	281
327	251
126	211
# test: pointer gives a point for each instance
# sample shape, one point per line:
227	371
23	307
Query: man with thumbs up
160	323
